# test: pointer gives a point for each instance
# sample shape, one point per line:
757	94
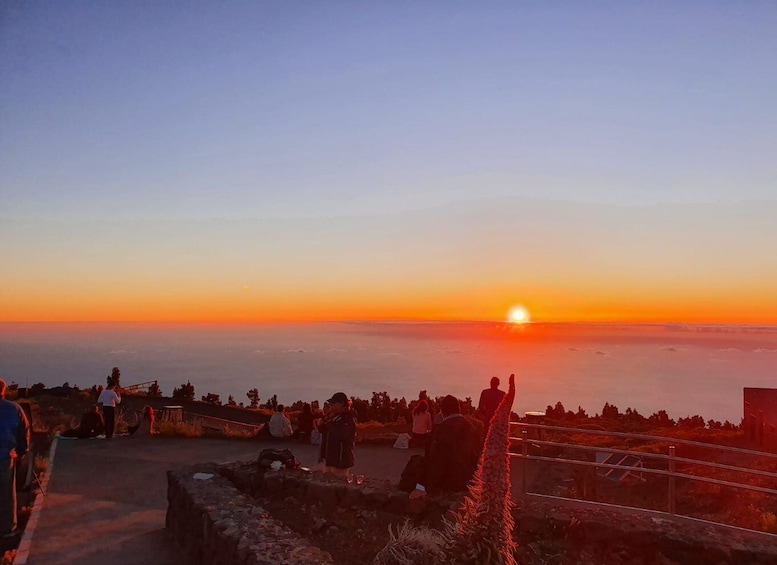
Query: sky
273	161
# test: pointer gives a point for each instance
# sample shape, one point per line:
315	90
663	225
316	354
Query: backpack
411	474
285	456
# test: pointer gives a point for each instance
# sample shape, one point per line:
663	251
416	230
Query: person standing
340	435
14	443
422	423
108	399
489	402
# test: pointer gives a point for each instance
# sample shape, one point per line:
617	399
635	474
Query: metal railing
138	387
670	459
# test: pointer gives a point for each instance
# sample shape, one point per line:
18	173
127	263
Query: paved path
106	500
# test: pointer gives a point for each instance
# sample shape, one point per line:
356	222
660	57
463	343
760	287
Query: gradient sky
263	161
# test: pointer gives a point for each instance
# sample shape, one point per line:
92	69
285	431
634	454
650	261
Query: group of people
95	423
452	443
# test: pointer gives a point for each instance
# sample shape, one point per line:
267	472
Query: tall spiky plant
483	532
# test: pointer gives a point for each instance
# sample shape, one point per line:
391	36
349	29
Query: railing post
525	460
671	481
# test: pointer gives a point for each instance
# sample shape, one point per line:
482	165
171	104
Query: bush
180	429
769	523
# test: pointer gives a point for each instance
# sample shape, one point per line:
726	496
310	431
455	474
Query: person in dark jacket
451	455
92	425
489	402
14	443
338	449
304	423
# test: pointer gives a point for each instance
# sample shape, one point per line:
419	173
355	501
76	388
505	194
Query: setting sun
518	315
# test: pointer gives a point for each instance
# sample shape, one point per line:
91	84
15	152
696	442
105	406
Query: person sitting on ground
305	423
422	423
489	402
279	425
340	435
91	425
451	455
144	426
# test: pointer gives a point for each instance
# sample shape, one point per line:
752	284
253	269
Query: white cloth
280	425
109	397
403	441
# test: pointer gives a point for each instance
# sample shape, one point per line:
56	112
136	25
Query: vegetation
184	392
180	429
631	420
114	378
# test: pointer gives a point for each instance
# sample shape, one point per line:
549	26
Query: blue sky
150	113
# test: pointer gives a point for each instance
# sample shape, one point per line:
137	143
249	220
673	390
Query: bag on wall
411	474
285	456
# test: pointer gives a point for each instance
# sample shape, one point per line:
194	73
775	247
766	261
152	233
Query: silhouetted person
489	402
340	422
305	422
92	425
14	442
452	454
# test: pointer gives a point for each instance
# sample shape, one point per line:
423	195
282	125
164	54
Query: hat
339	398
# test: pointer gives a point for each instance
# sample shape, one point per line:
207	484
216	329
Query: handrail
644	470
664	439
138	386
670	459
658	456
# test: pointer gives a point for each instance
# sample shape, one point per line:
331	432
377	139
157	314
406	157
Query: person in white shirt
279	425
108	399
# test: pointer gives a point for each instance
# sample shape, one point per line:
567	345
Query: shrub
180	429
769	523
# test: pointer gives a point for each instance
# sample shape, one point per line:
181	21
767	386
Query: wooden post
671	481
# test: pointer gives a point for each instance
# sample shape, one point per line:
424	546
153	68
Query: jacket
340	440
451	455
14	430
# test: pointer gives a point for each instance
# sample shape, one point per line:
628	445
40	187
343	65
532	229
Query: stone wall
216	524
219	521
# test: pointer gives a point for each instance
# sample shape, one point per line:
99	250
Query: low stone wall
219	521
216	524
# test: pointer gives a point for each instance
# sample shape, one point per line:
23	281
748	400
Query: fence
670	459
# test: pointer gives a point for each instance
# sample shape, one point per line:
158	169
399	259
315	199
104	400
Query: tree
661	419
253	396
231	401
154	390
115	377
185	392
211	398
691	422
610	412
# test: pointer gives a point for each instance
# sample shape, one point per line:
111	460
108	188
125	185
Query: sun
518	315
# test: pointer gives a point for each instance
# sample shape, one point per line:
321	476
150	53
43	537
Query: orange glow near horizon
248	306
